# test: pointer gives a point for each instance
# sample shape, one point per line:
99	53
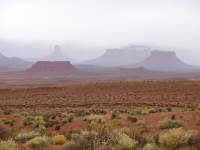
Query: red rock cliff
55	66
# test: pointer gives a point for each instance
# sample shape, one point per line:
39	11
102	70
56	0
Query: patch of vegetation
168	123
177	138
8	111
59	140
132	118
7	145
115	114
37	142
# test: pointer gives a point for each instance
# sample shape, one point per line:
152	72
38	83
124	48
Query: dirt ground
100	98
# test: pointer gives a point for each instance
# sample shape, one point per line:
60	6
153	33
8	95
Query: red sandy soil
101	98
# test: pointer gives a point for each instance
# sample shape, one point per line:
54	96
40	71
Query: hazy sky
101	23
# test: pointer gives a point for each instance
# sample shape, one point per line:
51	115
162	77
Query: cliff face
57	66
116	57
162	58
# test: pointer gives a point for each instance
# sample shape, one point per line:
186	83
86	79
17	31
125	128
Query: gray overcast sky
102	23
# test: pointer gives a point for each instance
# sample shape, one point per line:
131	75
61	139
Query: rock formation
162	58
56	66
56	55
117	57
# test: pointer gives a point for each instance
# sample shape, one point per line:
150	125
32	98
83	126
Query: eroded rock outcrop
117	57
162	58
55	66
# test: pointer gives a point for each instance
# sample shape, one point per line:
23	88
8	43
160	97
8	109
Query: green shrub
132	118
149	146
37	142
144	112
25	114
57	127
59	140
124	142
28	120
40	129
7	145
169	108
49	123
198	122
115	114
177	138
4	132
38	120
17	116
26	136
116	122
8	111
173	117
71	117
168	123
94	118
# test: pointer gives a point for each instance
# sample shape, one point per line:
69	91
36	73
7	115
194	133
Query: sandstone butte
54	66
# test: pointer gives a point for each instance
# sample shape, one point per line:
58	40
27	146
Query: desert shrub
168	123
169	108
198	122
8	111
4	132
69	134
17	116
149	146
59	140
173	117
11	123
70	117
194	137
2	120
115	114
142	126
94	139
152	110
132	118
176	138
57	127
45	117
26	136
7	145
28	120
144	112
124	142
64	115
53	117
94	118
37	142
116	122
49	123
80	142
38	120
40	129
25	114
156	139
85	113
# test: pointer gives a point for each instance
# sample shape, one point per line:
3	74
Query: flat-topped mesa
163	53
55	66
162	58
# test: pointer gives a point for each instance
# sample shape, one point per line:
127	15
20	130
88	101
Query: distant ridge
117	57
56	55
12	63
